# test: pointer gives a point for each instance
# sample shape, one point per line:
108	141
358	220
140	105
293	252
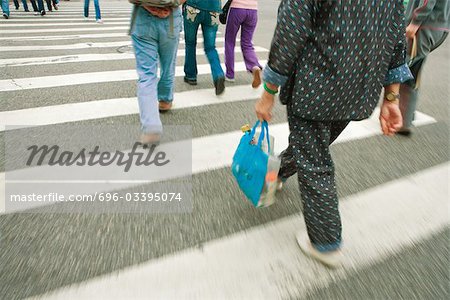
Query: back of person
208	5
245	4
344	46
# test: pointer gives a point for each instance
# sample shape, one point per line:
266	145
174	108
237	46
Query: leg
190	35
168	46
247	31
316	180
41	6
98	15
49	5
209	29
5	8
35	7
145	44
86	8
25	5
16	4
234	21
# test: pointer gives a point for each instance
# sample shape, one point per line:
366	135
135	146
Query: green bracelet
270	91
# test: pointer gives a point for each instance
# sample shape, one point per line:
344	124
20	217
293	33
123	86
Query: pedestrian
428	26
24	3
205	13
98	16
331	67
5	8
243	15
155	35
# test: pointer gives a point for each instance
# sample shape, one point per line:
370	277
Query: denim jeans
193	18
97	9
39	6
24	3
155	41
5	7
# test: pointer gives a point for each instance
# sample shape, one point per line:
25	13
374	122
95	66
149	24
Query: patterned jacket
332	57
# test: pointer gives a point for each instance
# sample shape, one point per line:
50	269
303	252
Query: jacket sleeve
294	26
398	70
422	11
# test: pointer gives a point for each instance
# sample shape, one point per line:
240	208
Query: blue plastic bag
249	165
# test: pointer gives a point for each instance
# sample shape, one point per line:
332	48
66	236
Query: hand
390	118
264	106
411	30
158	11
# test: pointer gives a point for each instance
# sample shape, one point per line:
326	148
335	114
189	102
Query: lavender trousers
246	20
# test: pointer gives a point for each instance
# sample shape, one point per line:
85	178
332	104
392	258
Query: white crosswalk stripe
49	60
247	265
230	266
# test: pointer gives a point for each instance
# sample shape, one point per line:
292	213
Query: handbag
224	15
249	165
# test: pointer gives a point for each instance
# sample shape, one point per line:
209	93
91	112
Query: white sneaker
229	79
331	259
99	21
86	18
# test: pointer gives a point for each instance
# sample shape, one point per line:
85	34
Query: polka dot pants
308	155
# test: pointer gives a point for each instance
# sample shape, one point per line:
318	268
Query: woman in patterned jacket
331	60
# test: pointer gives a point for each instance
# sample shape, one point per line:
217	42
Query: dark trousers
24	3
427	41
39	6
309	156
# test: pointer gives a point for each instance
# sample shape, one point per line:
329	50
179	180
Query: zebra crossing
225	249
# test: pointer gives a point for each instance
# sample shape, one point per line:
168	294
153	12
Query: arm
294	26
390	115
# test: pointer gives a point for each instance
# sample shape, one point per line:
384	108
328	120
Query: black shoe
42	12
27	10
5	16
219	84
190	81
405	132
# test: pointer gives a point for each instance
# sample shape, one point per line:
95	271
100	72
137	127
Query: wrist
270	88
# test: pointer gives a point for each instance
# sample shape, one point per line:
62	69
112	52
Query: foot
165	106
86	18
55	6
190	81
331	259
219	84
229	79
5	16
42	12
27	10
150	138
256	71
36	13
404	131
99	21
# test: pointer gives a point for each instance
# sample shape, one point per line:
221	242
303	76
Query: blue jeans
155	40
97	9
209	23
24	3
5	7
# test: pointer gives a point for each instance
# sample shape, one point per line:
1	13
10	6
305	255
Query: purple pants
246	20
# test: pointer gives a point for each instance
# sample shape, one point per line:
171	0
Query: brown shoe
256	71
150	138
164	106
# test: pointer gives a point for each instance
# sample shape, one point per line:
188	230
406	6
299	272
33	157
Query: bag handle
264	133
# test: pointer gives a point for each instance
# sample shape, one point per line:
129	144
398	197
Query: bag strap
264	133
